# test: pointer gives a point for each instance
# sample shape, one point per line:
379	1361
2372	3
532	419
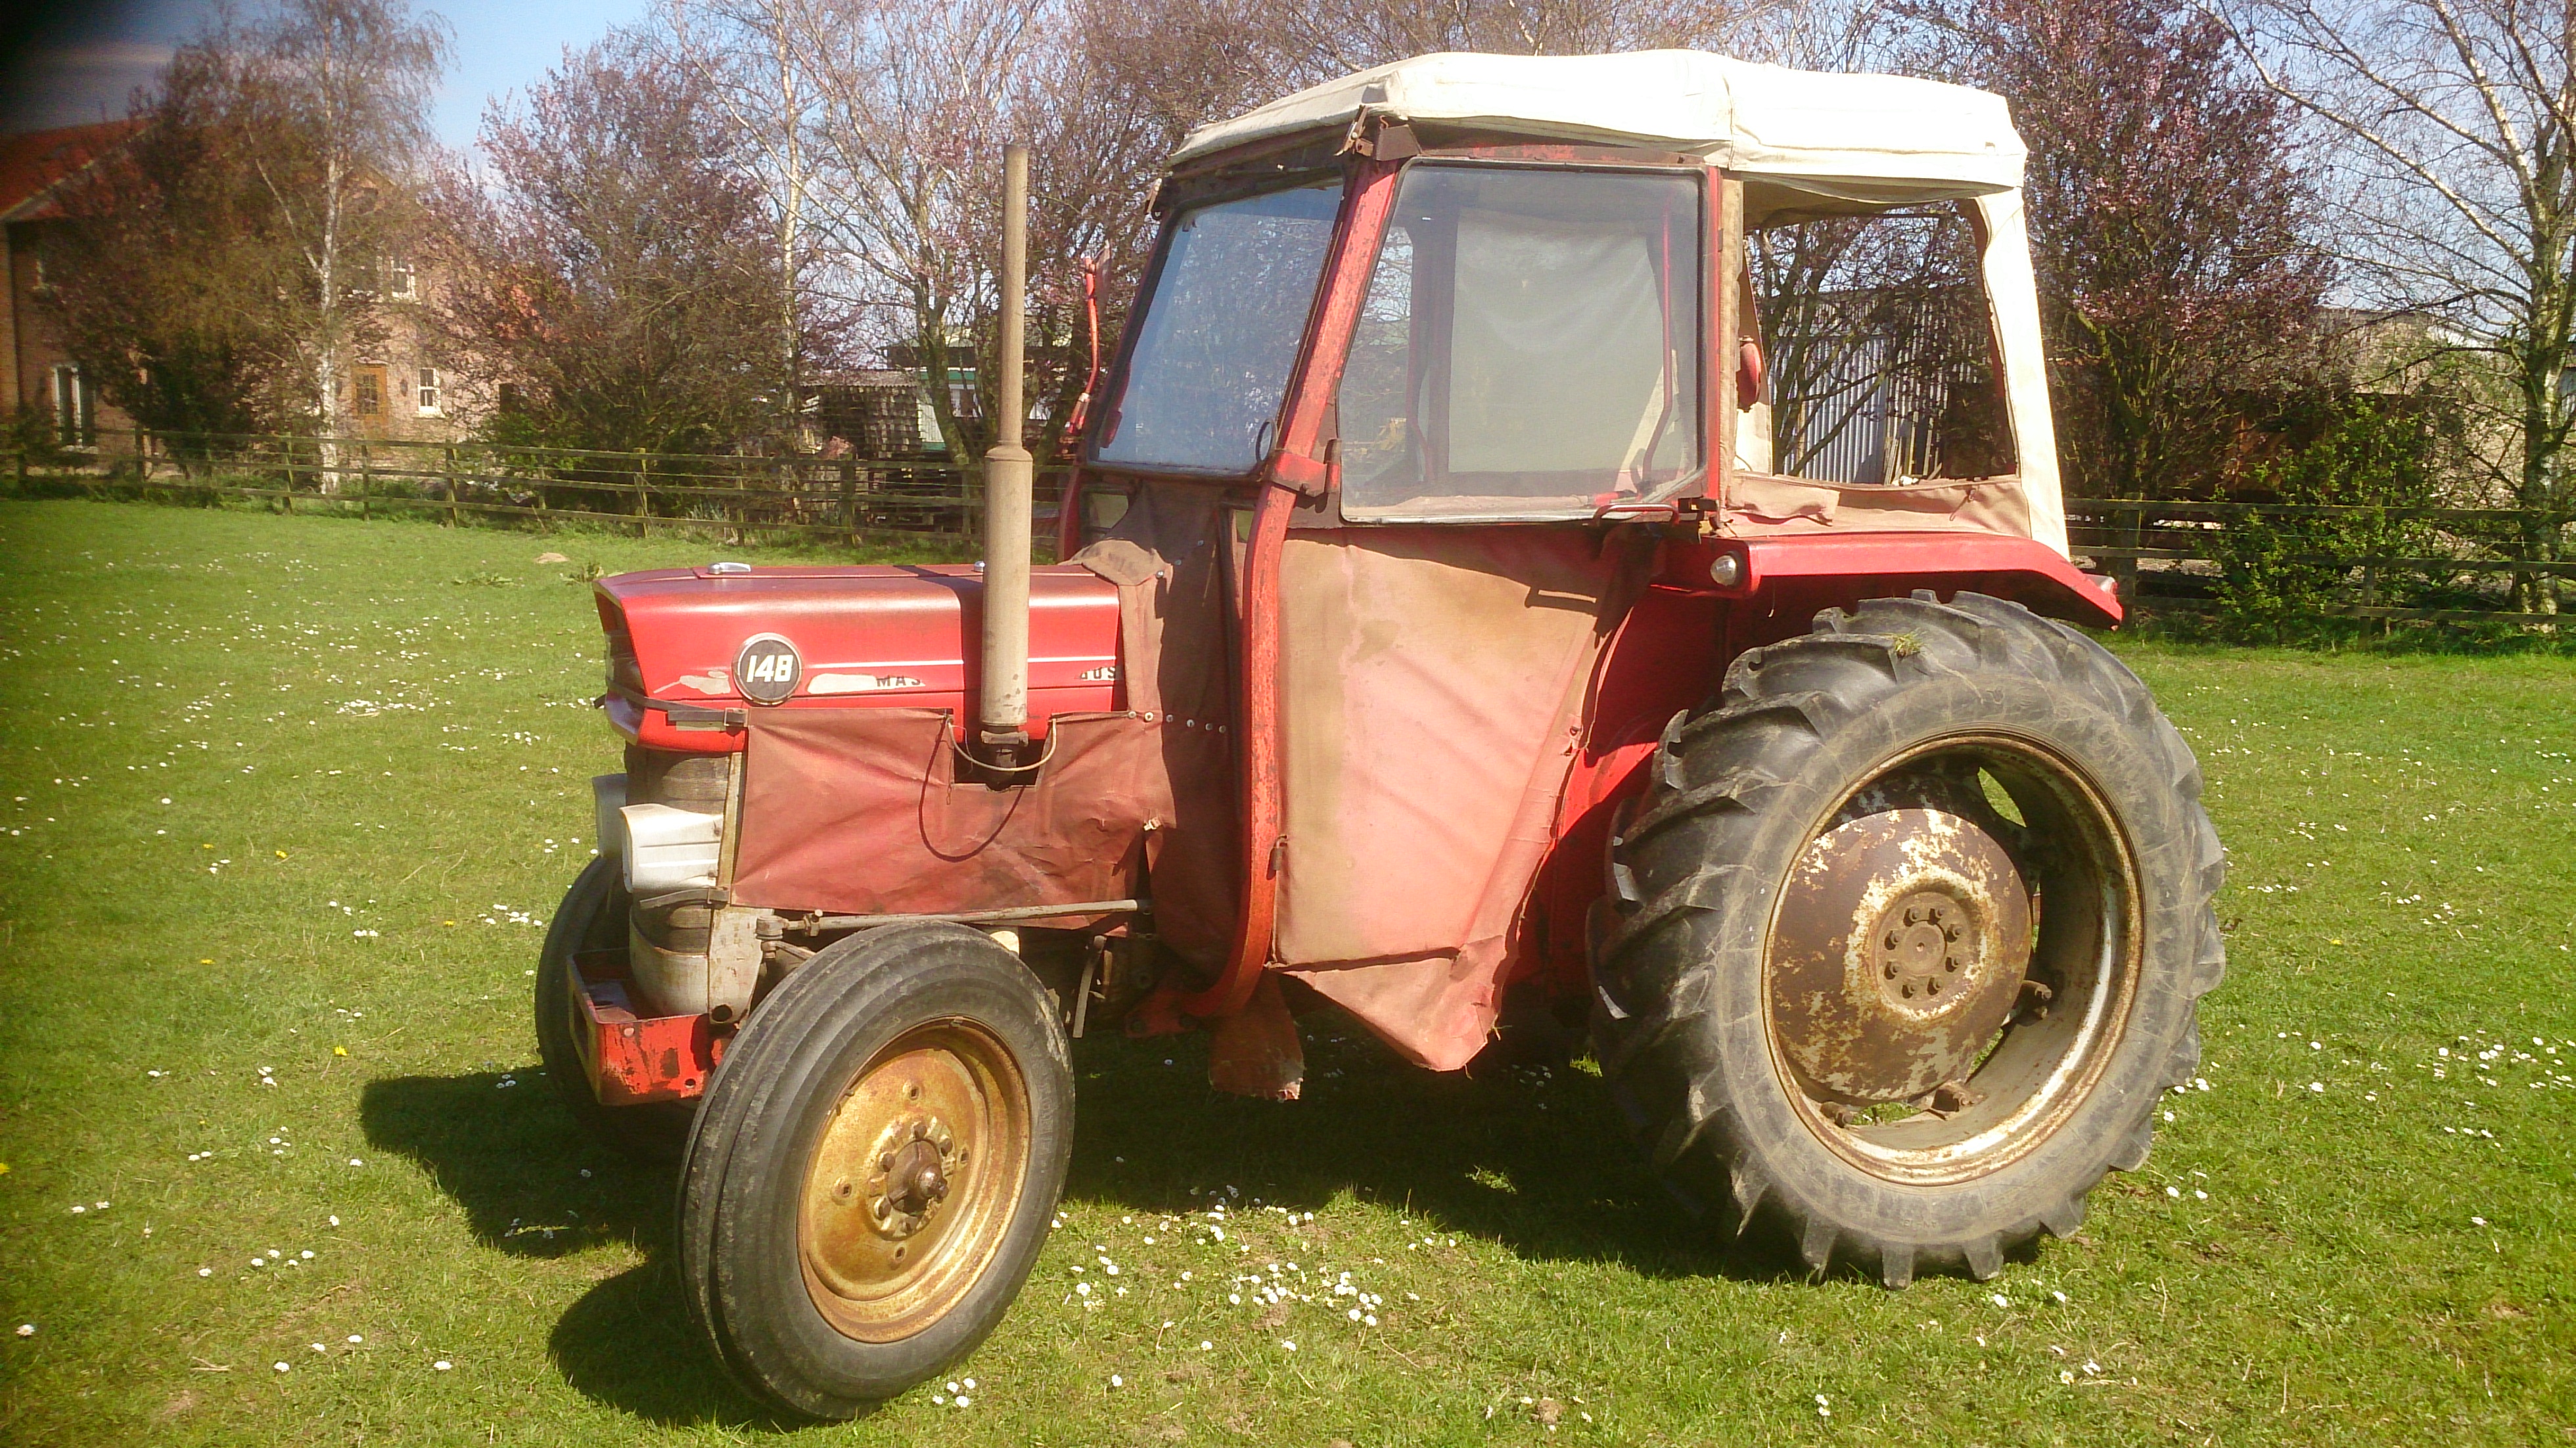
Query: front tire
1907	933
873	1173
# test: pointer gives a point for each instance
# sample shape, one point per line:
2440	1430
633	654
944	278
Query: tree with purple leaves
2171	221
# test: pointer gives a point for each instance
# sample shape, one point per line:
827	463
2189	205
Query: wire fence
812	497
2438	565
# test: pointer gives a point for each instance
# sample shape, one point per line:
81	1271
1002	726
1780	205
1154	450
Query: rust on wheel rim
909	1192
1901	943
1945	984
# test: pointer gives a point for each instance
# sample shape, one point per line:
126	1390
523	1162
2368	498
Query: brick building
395	389
40	377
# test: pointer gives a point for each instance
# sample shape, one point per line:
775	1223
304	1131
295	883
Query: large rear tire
875	1168
593	917
1906	934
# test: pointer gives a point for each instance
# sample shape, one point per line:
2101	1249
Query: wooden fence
816	497
2172	554
2166	554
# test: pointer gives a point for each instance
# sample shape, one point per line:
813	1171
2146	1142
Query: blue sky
86	57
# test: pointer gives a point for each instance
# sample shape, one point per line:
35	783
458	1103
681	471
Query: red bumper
633	1059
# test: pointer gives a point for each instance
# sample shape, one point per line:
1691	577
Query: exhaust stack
1009	479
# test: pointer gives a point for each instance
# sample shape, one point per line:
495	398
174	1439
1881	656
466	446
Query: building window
370	392
74	426
429	392
400	282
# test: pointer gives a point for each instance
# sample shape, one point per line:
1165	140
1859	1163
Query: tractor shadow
1532	1157
532	1184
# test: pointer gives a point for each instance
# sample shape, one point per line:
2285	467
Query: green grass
2402	830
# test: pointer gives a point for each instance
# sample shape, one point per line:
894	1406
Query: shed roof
1862	137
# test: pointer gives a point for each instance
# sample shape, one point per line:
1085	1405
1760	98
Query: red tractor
1535	560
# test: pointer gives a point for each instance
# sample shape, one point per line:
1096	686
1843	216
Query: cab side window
1529	346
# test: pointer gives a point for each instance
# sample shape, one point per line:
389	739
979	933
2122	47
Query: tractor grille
696	782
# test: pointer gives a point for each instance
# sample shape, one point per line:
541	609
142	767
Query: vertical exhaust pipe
1009	486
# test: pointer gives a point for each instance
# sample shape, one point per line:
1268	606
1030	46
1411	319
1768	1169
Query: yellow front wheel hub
909	1192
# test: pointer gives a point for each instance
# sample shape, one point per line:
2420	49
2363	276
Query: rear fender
1794	577
1675	644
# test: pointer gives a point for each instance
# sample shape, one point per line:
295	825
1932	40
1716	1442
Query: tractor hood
692	650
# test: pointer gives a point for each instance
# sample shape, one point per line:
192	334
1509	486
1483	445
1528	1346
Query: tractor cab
1568	548
1464	356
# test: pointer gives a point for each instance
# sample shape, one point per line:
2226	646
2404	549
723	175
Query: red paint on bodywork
911	629
1259	732
1663	660
1876	565
1303	452
634	1059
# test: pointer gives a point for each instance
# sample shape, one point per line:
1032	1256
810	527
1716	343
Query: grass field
284	804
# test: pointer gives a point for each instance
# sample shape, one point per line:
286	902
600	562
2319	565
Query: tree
885	121
918	98
2170	219
745	55
329	108
1140	75
2456	173
614	267
234	256
163	287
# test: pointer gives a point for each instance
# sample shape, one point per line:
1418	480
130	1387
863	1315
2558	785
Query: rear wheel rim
908	1195
1932	1051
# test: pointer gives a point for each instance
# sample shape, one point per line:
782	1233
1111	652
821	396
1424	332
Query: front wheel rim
2036	959
909	1192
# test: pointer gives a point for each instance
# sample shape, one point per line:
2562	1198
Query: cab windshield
1211	361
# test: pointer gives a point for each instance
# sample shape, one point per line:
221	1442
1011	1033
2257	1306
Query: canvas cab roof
1860	138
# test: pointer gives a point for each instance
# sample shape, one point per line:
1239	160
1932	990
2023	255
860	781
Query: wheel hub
1923	941
1899	949
913	1161
911	1184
